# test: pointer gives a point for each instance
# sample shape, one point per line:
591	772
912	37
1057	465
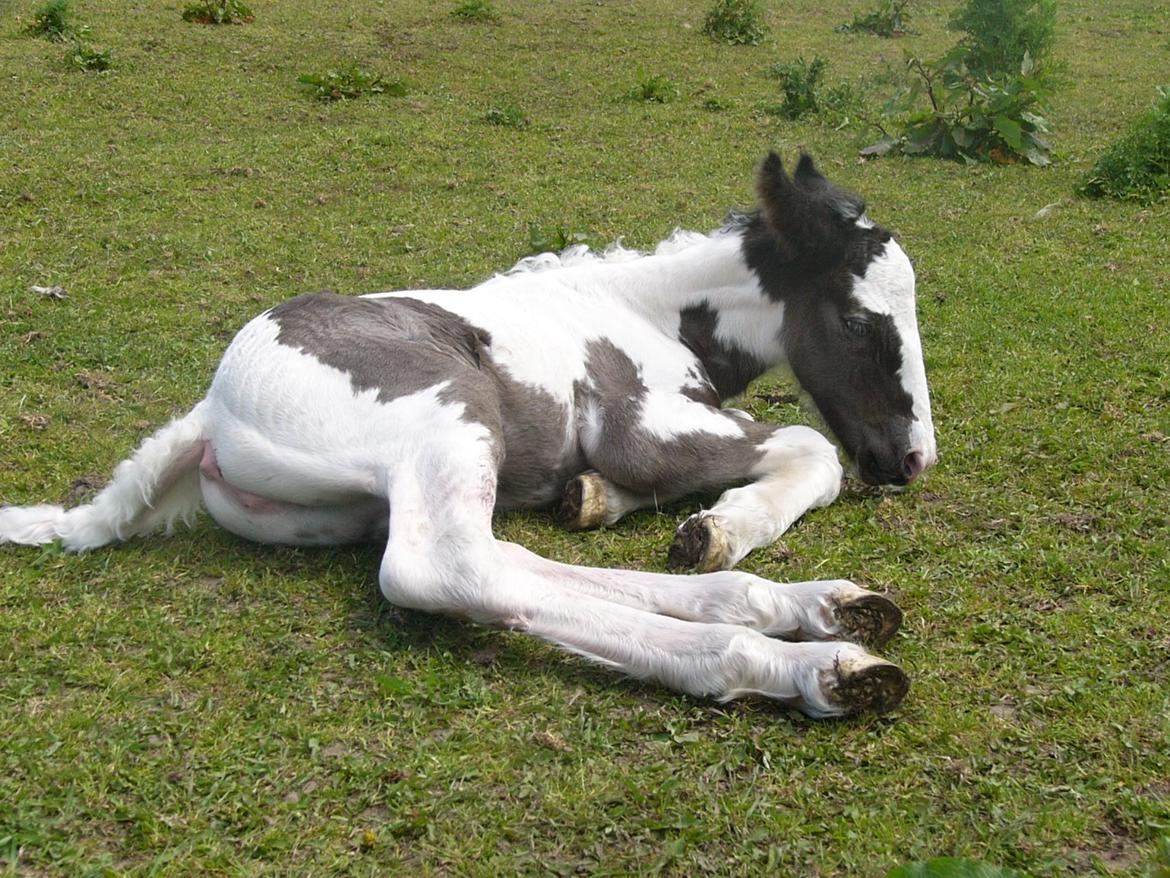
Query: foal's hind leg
591	500
829	609
441	557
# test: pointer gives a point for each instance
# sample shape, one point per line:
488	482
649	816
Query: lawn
202	706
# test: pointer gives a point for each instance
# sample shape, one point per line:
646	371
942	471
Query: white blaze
888	288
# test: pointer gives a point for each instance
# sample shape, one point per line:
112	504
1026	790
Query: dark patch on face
628	455
399	346
807	250
729	369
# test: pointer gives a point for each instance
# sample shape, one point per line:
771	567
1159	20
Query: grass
197	705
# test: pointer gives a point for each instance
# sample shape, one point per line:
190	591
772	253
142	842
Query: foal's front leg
799	471
789	471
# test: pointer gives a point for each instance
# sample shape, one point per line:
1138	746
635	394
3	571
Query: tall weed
1136	167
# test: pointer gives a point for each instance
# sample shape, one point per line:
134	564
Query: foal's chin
887	484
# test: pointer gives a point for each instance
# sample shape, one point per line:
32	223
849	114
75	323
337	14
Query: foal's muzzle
894	467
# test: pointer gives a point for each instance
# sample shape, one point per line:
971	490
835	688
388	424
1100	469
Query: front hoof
583	503
699	543
866	684
867	618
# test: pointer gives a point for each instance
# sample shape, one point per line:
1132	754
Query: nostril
913	465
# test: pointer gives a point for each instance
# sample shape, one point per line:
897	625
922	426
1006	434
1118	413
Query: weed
218	12
347	83
656	89
800	81
804	94
716	104
87	58
970	117
841	104
888	20
506	117
52	21
475	10
738	22
1136	167
998	34
987	96
555	239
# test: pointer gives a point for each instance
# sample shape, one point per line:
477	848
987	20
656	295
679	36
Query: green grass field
201	706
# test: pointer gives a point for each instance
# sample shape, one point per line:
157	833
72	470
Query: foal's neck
705	293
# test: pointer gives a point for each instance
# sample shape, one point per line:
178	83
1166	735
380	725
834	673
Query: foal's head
850	329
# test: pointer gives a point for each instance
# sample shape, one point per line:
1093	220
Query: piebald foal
596	381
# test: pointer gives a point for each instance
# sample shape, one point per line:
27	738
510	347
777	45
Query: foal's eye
857	326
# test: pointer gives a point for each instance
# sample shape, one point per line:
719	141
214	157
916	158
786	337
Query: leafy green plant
88	58
970	116
716	104
218	12
52	21
804	93
653	88
348	83
475	10
1136	167
555	239
998	34
986	99
506	117
738	22
800	82
888	20
842	104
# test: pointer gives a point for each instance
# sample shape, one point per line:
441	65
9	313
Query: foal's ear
806	169
810	217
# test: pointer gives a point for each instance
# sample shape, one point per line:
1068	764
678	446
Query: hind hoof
867	618
866	684
583	503
699	544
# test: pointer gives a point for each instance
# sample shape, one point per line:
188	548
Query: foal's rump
319	400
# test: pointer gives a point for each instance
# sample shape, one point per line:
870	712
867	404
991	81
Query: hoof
701	544
867	684
583	503
867	618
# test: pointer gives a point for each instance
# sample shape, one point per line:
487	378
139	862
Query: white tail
157	485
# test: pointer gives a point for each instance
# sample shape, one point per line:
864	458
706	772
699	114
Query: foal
596	381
